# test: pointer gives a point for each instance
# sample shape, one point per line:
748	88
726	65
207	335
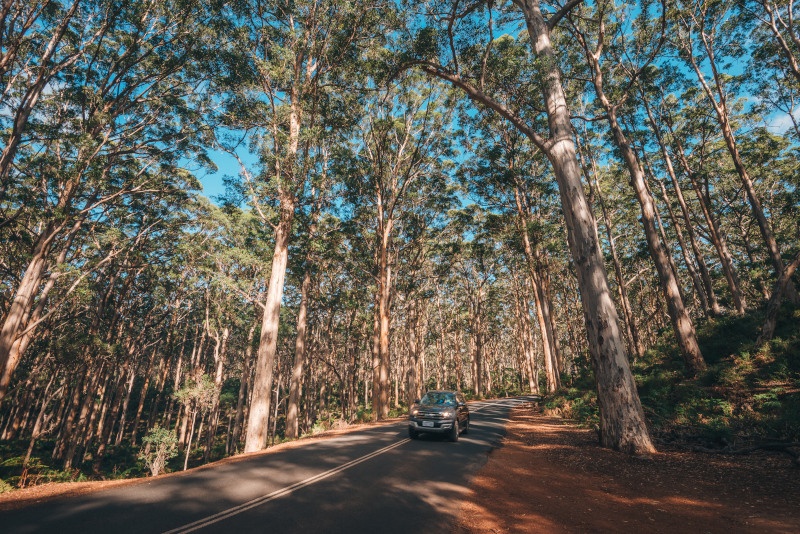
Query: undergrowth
746	395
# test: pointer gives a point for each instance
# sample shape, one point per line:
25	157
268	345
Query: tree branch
561	13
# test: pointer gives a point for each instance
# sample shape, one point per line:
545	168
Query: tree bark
257	429
242	399
682	324
632	329
296	379
622	424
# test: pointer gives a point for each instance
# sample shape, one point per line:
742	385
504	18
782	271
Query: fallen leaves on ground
551	476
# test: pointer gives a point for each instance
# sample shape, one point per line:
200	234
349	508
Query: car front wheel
413	434
454	432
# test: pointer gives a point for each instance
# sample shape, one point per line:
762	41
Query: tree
622	420
404	140
104	137
682	324
294	54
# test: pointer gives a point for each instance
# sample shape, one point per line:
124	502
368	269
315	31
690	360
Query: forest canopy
579	199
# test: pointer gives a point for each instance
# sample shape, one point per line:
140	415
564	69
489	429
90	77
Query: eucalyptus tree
456	42
603	33
36	39
506	175
478	266
396	163
707	34
779	37
701	276
286	78
121	116
690	133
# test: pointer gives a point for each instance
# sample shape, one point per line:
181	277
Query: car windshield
439	398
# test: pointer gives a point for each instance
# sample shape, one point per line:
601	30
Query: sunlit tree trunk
622	423
296	379
257	429
682	324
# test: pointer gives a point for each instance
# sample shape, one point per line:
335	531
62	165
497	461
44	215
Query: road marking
230	512
510	403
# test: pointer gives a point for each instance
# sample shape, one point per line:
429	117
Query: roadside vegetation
594	201
747	399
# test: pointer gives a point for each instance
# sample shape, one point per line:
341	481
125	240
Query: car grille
430	415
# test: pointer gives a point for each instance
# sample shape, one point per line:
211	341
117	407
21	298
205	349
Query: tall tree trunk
551	370
632	329
296	379
21	306
242	398
415	347
622	424
694	275
698	254
376	357
682	324
715	232
723	117
544	278
142	397
257	429
385	324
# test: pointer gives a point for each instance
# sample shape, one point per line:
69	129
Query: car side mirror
416	401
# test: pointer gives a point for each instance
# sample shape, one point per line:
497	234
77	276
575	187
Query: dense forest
566	198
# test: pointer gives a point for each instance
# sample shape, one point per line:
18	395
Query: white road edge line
230	512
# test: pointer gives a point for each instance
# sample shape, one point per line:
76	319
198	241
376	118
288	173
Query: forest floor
551	476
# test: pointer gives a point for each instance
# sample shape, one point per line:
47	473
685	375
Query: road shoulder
552	477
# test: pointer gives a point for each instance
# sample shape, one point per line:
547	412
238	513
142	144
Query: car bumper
440	427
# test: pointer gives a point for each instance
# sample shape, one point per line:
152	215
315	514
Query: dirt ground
552	477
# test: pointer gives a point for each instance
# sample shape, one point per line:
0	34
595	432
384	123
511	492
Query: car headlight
414	411
448	414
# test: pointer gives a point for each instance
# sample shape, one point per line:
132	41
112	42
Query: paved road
373	480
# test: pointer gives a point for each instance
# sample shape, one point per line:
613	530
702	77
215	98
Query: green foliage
364	414
744	396
5	486
198	392
578	403
18	474
159	445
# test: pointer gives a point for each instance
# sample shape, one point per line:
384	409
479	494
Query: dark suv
439	412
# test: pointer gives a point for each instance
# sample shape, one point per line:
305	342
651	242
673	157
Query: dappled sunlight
341	483
552	477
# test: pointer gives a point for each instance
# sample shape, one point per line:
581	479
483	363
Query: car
439	412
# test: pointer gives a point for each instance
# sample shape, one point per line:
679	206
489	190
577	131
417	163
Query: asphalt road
372	480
